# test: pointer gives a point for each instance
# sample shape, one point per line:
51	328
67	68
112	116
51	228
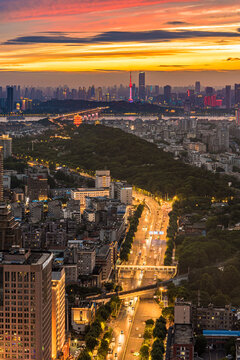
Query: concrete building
84	256
82	316
82	193
18	195
55	209
104	259
10	233
58	311
213	318
103	179
86	260
36	211
6	143
121	191
26	305
182	333
37	187
1	173
71	274
182	312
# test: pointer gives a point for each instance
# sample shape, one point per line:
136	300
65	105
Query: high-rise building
99	94
58	311
37	187
142	90
237	94
6	143
10	233
103	179
197	87
209	91
1	174
167	93
9	99
228	96
26	305
237	117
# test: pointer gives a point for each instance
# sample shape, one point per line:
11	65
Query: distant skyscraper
130	89
237	94
167	93
9	99
228	96
134	91
142	91
209	91
197	87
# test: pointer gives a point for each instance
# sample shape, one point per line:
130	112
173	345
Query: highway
147	249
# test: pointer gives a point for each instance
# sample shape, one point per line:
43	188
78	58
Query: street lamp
161	297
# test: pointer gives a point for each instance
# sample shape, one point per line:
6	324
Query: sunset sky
178	41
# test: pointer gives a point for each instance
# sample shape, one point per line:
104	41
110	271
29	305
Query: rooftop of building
221	333
19	256
183	334
90	189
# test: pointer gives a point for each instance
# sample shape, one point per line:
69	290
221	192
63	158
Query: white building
82	193
103	179
126	195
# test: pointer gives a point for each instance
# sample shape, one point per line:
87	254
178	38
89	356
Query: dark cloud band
120	36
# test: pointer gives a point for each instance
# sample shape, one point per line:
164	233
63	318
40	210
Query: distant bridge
87	114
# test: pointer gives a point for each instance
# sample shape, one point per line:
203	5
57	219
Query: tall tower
142	93
130	89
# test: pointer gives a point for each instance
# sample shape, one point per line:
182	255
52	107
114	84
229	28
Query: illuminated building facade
82	193
6	143
77	120
37	187
82	316
103	179
25	305
58	311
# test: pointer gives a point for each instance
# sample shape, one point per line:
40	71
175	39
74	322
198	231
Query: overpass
126	294
142	290
154	268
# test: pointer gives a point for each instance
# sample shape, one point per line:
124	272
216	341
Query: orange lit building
58	313
77	120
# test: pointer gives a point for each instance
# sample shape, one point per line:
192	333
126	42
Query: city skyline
104	40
